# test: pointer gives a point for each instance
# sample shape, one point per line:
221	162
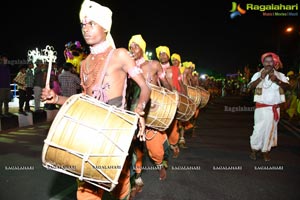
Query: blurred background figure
29	78
21	85
4	86
291	96
74	53
69	82
39	81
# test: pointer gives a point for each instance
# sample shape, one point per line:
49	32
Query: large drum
186	108
89	140
204	96
163	106
194	93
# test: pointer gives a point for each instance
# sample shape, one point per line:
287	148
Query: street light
289	29
149	55
288	47
296	33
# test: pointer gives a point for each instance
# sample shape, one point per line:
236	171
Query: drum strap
99	89
99	92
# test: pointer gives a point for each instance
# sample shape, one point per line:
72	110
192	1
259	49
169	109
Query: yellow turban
195	73
100	14
290	73
138	39
176	56
161	49
182	68
187	64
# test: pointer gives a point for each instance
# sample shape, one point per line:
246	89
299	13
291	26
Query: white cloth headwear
100	14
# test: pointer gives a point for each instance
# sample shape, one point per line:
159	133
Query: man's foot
266	156
182	143
175	149
252	155
23	113
162	173
165	164
183	146
188	126
137	188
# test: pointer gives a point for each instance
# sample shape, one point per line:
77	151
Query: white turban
100	14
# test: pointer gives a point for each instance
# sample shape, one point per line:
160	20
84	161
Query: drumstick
47	85
49	56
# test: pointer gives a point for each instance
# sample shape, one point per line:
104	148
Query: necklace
140	61
99	48
166	65
92	67
265	83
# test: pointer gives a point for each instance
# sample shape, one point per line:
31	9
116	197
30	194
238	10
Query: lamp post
286	30
288	46
292	30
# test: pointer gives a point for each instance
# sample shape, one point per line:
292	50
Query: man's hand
273	77
48	96
264	73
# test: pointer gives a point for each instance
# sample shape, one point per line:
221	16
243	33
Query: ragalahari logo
236	10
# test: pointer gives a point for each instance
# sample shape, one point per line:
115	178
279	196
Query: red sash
175	78
274	108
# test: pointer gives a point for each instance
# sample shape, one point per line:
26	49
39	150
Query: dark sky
200	31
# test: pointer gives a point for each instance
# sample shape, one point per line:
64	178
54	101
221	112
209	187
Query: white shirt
270	90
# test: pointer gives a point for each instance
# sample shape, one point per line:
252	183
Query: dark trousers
4	99
29	93
22	99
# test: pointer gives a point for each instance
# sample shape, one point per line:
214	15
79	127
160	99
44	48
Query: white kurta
264	134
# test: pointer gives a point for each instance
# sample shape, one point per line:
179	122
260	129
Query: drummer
115	64
174	78
195	79
158	145
186	79
187	69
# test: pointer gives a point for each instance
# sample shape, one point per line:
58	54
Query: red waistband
274	108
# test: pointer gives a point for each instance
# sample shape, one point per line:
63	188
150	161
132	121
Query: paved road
215	166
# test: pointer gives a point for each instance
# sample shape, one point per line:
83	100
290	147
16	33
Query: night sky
199	31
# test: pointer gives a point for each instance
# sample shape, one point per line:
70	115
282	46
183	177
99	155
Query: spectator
69	82
39	83
29	78
20	81
4	85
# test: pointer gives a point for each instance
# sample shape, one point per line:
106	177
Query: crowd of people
30	79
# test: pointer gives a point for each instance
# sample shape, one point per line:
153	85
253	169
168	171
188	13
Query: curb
17	120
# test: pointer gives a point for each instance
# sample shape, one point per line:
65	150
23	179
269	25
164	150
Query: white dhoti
264	134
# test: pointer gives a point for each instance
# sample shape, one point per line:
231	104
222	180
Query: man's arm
256	79
144	94
182	86
253	84
135	73
284	85
162	76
